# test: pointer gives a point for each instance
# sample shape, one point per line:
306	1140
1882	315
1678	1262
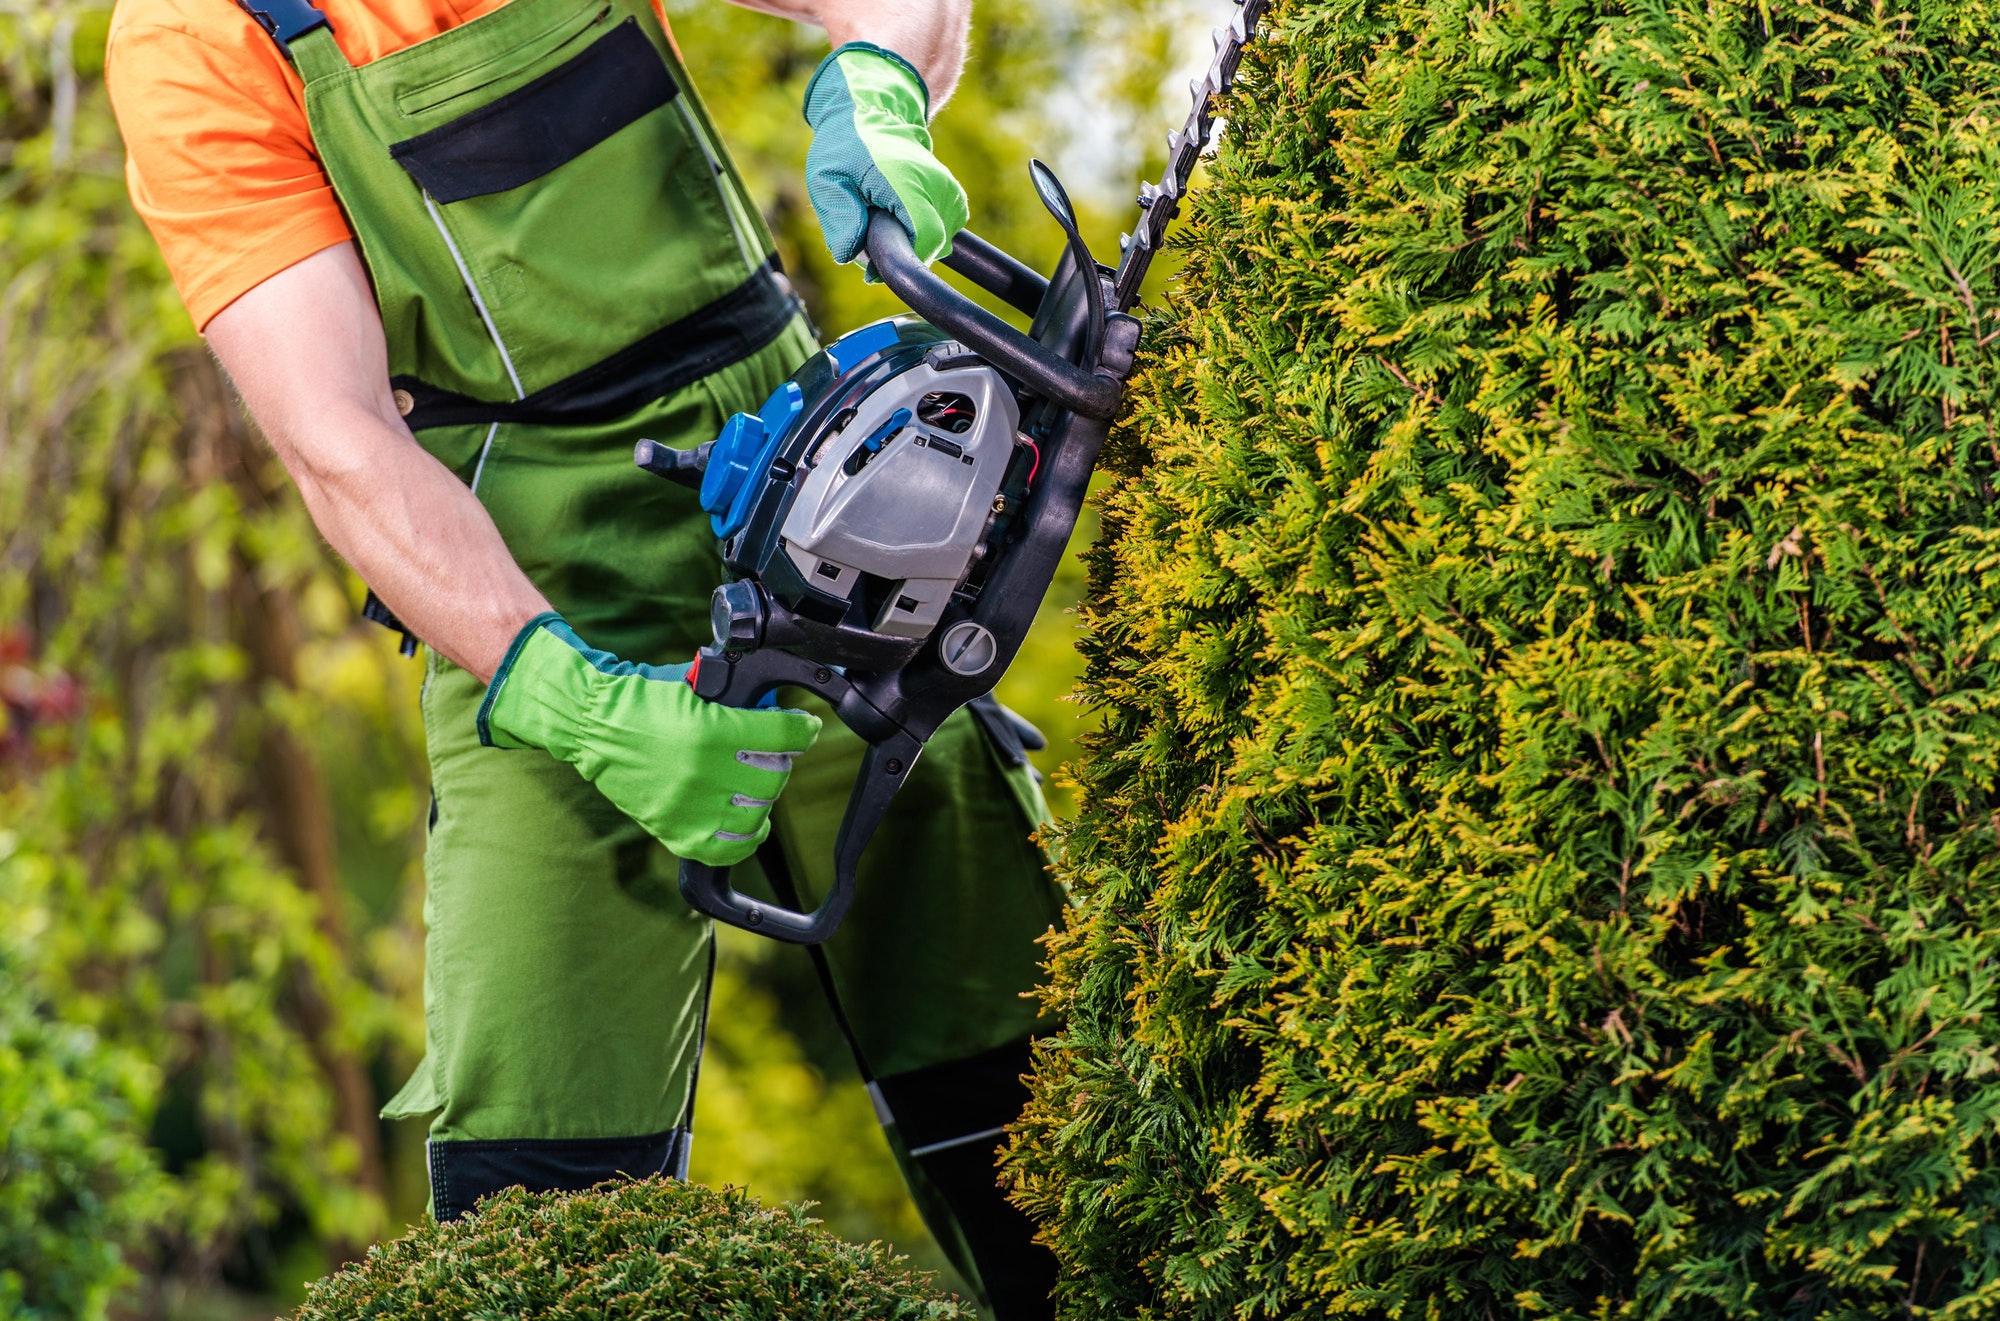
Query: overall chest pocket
582	207
461	88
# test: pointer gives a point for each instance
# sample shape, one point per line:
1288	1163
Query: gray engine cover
915	513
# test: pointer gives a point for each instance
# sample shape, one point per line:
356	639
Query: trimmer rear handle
745	679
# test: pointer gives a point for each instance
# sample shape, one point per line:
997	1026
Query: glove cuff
501	738
819	99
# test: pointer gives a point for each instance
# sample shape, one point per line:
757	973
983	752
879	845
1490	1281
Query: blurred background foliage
211	772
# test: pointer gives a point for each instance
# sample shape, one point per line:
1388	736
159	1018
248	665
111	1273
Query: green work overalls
565	261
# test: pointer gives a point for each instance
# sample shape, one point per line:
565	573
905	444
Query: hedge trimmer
895	511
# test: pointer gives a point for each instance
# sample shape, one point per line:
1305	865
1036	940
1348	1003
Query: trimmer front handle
893	257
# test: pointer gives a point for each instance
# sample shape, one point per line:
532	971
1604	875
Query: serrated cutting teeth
1159	202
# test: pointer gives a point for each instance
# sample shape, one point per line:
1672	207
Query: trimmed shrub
651	1248
1541	855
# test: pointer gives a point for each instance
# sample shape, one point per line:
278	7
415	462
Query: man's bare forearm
930	34
418	537
305	350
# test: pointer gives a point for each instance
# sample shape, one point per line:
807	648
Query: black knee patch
464	1172
950	1118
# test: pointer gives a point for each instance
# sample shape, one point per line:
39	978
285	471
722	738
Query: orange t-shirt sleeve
219	158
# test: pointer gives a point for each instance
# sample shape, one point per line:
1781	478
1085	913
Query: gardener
458	258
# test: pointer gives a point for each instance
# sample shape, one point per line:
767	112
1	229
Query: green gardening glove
868	108
698	776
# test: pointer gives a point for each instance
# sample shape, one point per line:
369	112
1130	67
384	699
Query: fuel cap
968	648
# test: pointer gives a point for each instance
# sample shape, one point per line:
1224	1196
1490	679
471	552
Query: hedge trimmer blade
1160	202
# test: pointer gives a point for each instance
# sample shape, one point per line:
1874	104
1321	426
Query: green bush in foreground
1542	857
655	1249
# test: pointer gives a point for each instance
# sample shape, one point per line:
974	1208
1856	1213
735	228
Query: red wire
1038	459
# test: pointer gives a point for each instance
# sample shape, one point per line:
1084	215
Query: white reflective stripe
881	1103
929	1147
491	432
723	185
765	761
745	800
478	302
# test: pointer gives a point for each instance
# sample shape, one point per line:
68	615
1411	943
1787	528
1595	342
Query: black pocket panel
536	127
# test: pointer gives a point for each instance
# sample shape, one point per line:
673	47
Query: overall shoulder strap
290	21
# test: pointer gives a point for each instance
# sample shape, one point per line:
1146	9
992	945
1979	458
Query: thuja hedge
652	1249
1540	858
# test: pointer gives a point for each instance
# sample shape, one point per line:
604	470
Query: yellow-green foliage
656	1249
1540	858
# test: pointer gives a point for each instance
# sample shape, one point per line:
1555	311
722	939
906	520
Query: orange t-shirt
218	155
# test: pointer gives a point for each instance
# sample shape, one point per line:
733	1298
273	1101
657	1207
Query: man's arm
305	349
928	33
